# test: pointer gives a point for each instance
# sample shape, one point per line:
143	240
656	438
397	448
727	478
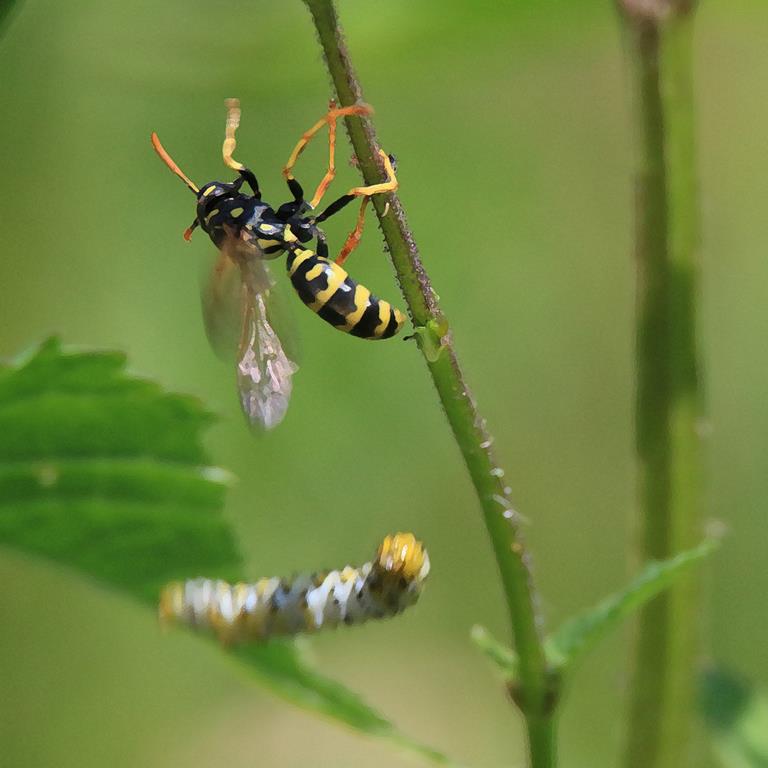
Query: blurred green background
511	124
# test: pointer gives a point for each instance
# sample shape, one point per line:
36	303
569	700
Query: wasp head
220	206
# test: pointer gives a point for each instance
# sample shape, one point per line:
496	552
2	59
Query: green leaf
579	634
106	473
737	714
281	668
501	655
7	9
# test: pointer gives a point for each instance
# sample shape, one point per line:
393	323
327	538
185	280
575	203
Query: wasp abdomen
331	293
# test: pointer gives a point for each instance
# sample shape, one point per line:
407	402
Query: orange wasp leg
366	192
330	119
390	185
353	239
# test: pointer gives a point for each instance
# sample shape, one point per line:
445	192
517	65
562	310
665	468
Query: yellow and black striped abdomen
329	291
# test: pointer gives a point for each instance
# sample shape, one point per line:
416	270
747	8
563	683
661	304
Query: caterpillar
272	607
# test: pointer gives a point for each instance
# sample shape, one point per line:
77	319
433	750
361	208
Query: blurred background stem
659	38
532	692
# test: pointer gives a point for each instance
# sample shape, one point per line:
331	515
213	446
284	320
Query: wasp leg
353	238
228	148
296	190
330	118
390	185
246	176
331	172
334	208
322	246
250	177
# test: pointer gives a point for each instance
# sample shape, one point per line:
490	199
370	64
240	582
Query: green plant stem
541	739
668	389
533	693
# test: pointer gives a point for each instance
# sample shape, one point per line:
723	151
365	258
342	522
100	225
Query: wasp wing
239	322
221	298
264	370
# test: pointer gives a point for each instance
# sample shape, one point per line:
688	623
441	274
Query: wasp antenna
166	158
233	123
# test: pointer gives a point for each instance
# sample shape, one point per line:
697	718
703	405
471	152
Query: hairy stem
533	692
659	35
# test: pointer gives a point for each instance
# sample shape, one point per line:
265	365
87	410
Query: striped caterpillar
271	607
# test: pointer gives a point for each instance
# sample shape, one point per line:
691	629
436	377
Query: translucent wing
239	321
264	370
222	303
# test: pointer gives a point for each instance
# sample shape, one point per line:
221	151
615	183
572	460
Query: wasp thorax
304	229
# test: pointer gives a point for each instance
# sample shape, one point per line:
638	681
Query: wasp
248	232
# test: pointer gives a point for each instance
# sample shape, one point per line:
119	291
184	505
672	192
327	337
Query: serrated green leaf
737	715
579	634
501	655
106	473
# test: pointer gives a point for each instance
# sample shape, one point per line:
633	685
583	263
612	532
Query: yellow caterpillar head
402	556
